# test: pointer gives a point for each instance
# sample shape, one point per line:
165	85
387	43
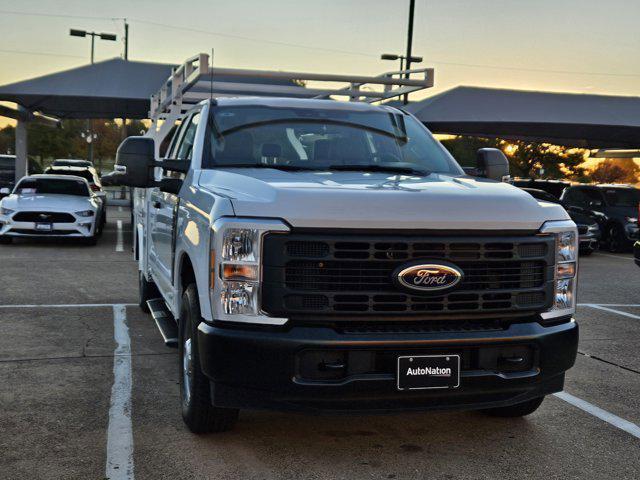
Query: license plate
422	372
44	227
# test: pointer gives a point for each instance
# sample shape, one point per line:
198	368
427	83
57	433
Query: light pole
404	60
103	36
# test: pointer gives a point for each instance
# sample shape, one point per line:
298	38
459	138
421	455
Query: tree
527	159
617	170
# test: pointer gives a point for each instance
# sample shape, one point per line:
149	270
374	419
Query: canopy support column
22	162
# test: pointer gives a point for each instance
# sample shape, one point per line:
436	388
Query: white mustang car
51	206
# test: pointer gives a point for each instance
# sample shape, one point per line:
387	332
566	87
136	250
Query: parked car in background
554	187
588	229
614	207
88	173
7	173
51	206
72	162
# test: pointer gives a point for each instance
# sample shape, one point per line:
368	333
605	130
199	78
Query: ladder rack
195	80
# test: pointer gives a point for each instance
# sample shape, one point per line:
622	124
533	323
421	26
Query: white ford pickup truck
325	256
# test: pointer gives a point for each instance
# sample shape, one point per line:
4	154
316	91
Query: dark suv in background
614	207
588	228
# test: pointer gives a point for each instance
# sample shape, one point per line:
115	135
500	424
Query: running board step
164	321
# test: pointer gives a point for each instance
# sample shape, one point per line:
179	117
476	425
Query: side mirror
493	164
135	161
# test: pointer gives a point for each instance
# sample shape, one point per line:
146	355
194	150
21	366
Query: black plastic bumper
270	369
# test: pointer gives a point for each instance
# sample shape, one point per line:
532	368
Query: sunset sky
560	45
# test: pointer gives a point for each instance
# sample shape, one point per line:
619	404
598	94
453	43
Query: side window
170	140
593	197
576	197
185	149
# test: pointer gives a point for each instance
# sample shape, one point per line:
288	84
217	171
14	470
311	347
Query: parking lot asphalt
62	416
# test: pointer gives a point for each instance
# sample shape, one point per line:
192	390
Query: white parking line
612	256
72	305
611	310
119	246
610	418
610	304
120	434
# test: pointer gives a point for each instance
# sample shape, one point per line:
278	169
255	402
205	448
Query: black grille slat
45	217
352	274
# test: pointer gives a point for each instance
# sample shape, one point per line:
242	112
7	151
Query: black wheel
585	252
615	238
99	228
197	410
5	240
146	291
517	410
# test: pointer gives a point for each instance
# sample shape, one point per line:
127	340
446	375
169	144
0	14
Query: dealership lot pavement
63	417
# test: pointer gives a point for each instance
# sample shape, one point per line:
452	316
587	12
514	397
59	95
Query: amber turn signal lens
566	270
241	273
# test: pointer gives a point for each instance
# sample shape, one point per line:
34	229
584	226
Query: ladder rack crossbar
195	80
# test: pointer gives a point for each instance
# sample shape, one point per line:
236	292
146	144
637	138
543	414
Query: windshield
32	186
322	139
86	174
622	197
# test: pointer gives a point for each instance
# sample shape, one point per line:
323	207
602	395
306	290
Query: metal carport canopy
110	89
113	88
580	120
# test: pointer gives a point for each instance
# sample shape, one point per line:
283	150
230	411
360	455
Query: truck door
164	206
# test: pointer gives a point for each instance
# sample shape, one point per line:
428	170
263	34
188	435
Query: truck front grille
352	274
45	217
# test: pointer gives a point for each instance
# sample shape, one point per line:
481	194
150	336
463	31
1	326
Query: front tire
147	290
198	412
615	239
514	411
4	240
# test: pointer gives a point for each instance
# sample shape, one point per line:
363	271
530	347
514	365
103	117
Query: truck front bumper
319	369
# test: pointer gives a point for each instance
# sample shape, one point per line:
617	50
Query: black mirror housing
135	161
493	164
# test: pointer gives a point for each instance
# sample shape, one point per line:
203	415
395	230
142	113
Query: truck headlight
236	269
566	267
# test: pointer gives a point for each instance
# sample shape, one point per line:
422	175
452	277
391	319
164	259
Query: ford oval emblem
428	277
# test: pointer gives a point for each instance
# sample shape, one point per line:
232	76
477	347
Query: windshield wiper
380	168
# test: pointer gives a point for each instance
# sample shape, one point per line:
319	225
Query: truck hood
47	203
379	200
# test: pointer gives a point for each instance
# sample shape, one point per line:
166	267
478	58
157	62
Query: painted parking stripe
71	305
119	245
632	305
120	433
619	257
598	412
611	310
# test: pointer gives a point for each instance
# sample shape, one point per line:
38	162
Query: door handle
156	204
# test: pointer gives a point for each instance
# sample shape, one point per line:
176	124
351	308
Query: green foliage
46	143
527	159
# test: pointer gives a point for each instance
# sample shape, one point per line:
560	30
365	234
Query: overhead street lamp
90	136
402	58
